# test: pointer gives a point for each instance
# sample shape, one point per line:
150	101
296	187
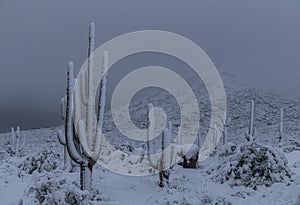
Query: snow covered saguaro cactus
160	161
15	146
72	142
84	145
68	163
225	125
250	136
281	125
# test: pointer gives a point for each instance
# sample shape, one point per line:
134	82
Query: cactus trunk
86	176
163	162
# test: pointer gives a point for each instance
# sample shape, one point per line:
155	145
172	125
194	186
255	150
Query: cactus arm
82	136
150	132
164	143
23	144
73	152
17	146
91	100
250	136
102	96
281	125
63	108
13	136
97	146
61	137
83	89
252	119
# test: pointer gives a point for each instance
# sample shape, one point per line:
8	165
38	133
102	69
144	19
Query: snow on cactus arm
61	137
69	123
15	148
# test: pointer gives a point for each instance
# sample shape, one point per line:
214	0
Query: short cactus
250	136
15	147
281	125
162	163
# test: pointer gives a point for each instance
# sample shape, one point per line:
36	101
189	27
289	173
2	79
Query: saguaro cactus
250	136
15	147
281	125
84	145
225	126
68	163
163	162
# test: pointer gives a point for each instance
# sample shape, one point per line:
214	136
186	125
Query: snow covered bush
290	145
250	165
57	189
45	160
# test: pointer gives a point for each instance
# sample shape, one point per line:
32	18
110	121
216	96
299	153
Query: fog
257	40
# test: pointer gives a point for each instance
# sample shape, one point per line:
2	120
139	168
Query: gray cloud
257	40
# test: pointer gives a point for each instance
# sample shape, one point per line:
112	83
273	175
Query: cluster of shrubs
56	189
250	165
45	160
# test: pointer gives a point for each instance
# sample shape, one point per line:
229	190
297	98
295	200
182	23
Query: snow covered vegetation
256	162
250	165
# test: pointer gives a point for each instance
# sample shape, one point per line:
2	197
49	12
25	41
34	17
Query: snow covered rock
250	165
190	159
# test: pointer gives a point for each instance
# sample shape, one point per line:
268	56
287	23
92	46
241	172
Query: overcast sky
258	40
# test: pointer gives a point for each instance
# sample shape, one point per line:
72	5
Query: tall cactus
84	145
68	163
250	136
281	125
159	163
14	148
225	127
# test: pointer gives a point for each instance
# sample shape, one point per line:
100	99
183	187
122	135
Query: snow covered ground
37	176
187	186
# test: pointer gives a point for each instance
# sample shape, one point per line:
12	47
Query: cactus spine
15	146
250	136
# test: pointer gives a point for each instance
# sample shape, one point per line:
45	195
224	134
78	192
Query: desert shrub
58	190
290	145
46	160
250	165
